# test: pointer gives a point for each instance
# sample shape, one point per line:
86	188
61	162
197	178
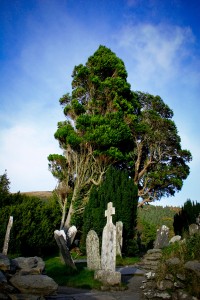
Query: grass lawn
80	278
64	275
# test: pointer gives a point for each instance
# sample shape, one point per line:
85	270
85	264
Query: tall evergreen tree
108	124
94	136
118	188
4	190
188	215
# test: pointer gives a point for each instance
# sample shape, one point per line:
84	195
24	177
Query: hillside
40	194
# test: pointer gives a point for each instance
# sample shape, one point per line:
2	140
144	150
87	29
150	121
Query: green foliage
161	165
125	261
115	126
193	246
34	222
186	216
187	250
4	189
119	189
63	275
151	218
148	234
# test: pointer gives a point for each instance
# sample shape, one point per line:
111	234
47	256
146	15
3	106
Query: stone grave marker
193	228
108	275
92	249
62	242
108	252
162	238
119	239
7	236
71	233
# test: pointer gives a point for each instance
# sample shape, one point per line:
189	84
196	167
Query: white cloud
155	52
158	59
24	152
162	60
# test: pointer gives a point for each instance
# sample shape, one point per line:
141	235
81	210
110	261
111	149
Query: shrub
186	216
34	222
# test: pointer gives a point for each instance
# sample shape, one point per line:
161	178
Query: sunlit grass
126	261
64	275
80	278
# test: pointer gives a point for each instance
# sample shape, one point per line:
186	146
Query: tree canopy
160	164
109	124
4	189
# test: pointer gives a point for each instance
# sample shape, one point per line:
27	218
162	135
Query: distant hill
44	195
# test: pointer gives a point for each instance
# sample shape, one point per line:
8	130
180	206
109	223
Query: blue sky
42	40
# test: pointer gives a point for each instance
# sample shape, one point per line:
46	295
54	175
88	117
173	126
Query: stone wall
170	284
24	278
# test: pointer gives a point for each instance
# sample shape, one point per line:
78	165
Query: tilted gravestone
119	239
92	249
71	233
162	238
107	275
63	241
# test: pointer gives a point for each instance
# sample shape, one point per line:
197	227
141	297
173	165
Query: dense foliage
160	164
34	221
186	216
150	218
119	189
4	189
94	135
108	124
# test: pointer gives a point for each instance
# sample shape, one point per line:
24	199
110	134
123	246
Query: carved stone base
109	278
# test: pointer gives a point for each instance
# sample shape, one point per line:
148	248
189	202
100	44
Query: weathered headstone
193	228
162	239
7	236
107	275
108	252
92	249
119	239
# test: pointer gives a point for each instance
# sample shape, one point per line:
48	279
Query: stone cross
108	274
108	253
109	212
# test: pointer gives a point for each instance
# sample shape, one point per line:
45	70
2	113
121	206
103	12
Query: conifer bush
118	188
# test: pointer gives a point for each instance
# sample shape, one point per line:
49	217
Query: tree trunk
69	215
63	214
